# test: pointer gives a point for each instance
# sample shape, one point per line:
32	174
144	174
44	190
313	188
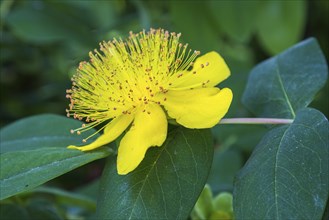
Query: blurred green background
42	43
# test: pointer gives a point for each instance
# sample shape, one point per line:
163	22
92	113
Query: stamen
125	74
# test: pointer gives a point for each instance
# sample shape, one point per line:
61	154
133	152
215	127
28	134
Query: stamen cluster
125	75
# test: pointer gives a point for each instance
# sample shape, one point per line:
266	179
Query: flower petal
208	70
149	129
111	132
197	108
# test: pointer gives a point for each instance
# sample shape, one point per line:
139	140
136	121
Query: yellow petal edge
149	129
197	108
111	132
208	70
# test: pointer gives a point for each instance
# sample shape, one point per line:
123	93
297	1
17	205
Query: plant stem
255	121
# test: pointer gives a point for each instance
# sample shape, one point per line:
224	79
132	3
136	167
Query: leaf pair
166	184
287	174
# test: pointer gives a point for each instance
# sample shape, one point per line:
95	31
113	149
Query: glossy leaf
282	85
24	170
286	177
280	24
33	151
167	183
41	131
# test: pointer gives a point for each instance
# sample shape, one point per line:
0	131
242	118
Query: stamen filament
94	133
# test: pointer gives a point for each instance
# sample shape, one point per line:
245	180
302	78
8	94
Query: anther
197	52
72	131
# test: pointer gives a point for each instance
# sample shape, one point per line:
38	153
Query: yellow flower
139	84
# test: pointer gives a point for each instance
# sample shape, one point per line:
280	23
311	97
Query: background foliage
42	43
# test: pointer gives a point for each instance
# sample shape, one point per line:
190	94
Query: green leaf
68	198
224	167
41	209
242	137
280	24
286	177
11	212
224	202
187	17
221	215
204	206
167	183
24	170
98	14
33	151
41	131
235	18
47	22
282	85
90	189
